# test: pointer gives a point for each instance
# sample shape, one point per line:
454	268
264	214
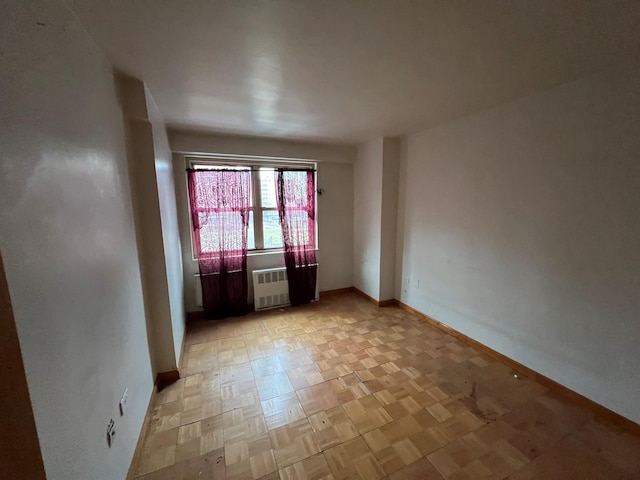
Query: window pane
268	188
272	230
251	241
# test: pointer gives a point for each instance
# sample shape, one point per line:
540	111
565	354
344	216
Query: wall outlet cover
123	402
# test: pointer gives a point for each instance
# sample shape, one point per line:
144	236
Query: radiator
270	288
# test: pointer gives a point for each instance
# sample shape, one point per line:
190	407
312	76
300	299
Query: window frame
254	164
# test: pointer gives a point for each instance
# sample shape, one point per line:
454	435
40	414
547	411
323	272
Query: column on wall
156	283
375	212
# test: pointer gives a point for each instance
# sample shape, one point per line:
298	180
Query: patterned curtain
220	201
295	194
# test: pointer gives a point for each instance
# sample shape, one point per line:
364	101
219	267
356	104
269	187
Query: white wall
367	207
169	223
388	216
375	192
335	226
68	242
198	142
519	227
335	206
153	196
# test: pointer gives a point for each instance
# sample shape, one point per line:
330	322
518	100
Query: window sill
257	253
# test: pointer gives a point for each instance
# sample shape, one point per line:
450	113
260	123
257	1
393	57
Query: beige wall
335	206
519	227
68	241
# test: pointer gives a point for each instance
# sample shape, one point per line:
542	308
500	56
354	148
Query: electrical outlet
111	432
123	402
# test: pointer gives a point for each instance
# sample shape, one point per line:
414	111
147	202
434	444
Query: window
271	231
265	232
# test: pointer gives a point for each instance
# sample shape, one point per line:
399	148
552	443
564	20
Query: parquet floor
341	389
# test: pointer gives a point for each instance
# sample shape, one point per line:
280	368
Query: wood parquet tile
311	468
267	366
423	469
367	413
159	451
188	441
293	442
353	460
348	387
243	423
317	398
332	427
340	389
279	411
305	376
392	446
199	407
274	385
249	459
210	465
165	416
211	434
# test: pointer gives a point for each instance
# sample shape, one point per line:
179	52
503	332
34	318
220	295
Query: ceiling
351	70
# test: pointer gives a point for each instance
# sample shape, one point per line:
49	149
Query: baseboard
598	410
143	431
337	291
382	303
164	379
194	316
365	296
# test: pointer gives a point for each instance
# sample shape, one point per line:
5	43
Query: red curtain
295	194
220	202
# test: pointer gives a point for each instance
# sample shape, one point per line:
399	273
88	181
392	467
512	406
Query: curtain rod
253	169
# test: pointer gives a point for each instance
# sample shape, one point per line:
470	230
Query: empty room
320	239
